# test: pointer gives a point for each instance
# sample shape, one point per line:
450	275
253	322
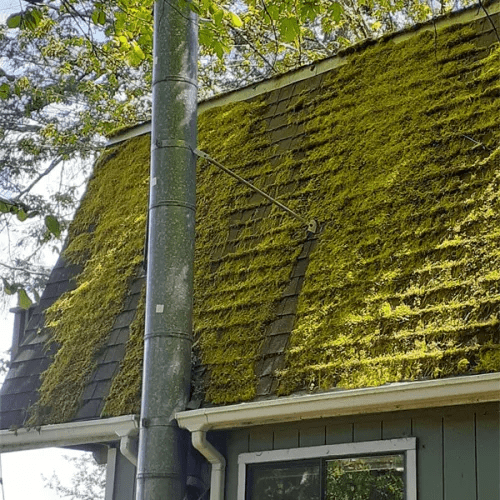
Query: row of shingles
281	135
111	355
285	134
20	389
483	38
250	210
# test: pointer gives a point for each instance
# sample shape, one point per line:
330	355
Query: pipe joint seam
173	203
174	78
167	334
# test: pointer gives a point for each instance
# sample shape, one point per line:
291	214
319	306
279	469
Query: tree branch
13	268
52	166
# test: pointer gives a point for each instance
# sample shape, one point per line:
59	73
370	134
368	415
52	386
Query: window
382	470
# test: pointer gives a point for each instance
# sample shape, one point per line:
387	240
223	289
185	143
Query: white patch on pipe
153	181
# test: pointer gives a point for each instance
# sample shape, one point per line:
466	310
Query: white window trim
408	446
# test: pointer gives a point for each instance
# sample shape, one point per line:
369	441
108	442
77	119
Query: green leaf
32	18
218	17
289	29
21	215
274	12
8	288
4	91
138	51
14	21
95	16
4	207
99	16
24	301
336	10
53	225
309	11
236	20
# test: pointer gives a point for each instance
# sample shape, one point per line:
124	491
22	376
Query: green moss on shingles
242	266
408	188
107	237
403	283
124	397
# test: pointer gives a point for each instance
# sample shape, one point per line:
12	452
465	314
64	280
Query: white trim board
408	446
69	434
393	397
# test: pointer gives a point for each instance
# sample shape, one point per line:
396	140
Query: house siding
458	448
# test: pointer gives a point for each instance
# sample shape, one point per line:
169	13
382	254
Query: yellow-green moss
395	155
107	238
124	397
241	266
409	192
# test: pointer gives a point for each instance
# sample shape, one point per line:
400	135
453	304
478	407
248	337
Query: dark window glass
284	481
365	478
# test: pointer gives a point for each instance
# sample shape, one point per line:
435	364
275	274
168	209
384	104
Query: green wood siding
458	448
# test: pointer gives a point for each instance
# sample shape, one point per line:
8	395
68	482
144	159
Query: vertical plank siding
459	447
458	455
488	454
429	430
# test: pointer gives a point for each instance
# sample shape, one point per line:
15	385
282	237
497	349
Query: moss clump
124	397
402	143
106	237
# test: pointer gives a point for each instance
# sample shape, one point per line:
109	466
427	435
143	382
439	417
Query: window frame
408	446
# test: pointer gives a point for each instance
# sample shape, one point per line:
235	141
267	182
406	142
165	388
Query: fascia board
400	396
68	434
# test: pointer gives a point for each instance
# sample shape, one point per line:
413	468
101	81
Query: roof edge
399	396
462	16
69	434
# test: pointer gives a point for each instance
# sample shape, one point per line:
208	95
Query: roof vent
21	320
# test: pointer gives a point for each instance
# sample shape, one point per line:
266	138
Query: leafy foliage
87	483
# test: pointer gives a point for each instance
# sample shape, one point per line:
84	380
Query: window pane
365	478
293	481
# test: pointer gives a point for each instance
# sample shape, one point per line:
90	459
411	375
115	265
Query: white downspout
218	462
126	449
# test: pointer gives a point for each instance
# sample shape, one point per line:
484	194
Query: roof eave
69	434
393	397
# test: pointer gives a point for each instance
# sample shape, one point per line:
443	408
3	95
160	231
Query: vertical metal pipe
168	331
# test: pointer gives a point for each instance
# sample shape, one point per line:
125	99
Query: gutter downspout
126	449
215	458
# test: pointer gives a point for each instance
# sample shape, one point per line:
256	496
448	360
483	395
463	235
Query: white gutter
69	434
400	396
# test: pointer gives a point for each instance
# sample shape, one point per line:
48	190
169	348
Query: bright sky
22	471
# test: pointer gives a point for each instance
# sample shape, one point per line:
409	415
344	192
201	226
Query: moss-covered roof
396	153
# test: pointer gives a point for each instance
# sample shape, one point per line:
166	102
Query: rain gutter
70	434
392	397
